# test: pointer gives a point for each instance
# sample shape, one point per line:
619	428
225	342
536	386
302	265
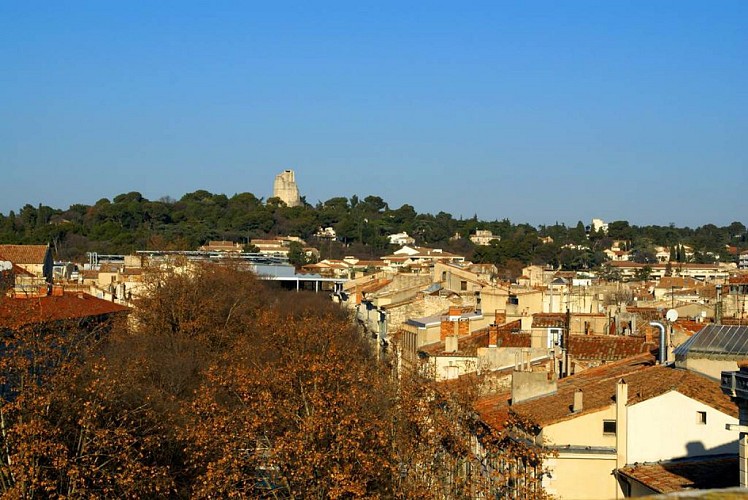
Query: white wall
583	430
666	427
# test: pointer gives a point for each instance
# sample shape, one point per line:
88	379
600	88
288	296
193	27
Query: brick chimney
447	328
493	336
499	317
463	327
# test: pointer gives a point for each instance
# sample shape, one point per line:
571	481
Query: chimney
446	329
578	401
648	334
622	398
499	317
662	357
463	327
493	336
451	344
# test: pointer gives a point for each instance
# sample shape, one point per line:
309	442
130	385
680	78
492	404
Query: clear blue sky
539	111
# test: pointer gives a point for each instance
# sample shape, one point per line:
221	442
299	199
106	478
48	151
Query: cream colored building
35	259
483	237
621	413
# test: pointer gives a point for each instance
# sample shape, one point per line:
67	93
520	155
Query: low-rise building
401	239
604	420
35	259
483	237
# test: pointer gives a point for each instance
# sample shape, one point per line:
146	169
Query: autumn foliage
224	387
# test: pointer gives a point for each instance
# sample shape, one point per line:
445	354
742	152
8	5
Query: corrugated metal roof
717	339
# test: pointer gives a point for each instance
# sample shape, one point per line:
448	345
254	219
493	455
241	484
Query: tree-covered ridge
131	222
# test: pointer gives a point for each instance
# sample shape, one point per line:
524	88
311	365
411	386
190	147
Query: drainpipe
663	346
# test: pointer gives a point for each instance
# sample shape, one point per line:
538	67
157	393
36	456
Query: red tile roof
469	344
548	320
15	312
645	380
608	347
687	326
494	409
700	474
24	254
645	312
741	279
374	286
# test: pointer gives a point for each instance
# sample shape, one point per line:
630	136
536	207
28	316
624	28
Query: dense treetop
131	222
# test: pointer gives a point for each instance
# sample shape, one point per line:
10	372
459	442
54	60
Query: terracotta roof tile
702	473
608	347
374	286
494	409
644	380
15	312
24	254
548	320
469	344
687	326
739	280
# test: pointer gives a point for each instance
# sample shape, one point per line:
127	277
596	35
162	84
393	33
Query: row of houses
623	407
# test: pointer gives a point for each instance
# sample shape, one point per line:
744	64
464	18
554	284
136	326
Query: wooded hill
131	222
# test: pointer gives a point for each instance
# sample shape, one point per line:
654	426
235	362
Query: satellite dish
6	265
671	315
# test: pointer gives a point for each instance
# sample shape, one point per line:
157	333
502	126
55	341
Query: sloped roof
687	326
668	282
608	347
741	279
16	312
700	473
374	286
494	409
24	254
469	344
644	380
19	271
725	342
548	320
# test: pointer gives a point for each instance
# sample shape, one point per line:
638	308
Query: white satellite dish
671	315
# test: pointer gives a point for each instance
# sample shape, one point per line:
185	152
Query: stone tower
286	189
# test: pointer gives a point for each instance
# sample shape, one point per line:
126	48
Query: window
701	417
554	337
609	426
463	285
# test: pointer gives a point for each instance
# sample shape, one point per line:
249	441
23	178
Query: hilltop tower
286	189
